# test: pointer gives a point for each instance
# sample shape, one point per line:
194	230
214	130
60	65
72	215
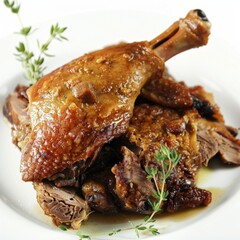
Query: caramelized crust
152	126
204	102
81	106
167	92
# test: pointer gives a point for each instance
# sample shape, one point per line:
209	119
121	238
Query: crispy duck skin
153	125
79	107
167	92
183	194
204	102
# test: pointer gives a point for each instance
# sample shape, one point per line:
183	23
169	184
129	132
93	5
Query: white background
225	18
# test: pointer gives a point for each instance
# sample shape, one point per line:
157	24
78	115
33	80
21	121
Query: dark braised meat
150	127
215	138
98	189
86	103
133	188
15	105
15	110
204	102
183	194
63	205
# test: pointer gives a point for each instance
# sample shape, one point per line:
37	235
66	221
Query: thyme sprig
167	159
82	236
62	227
32	62
78	233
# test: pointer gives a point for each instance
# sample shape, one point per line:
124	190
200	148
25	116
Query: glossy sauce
203	175
99	224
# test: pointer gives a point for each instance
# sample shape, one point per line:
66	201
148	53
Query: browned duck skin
167	92
79	107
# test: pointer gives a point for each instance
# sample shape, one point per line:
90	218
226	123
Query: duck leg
86	103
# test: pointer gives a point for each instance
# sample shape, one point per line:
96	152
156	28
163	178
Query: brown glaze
86	103
204	102
69	123
167	92
152	126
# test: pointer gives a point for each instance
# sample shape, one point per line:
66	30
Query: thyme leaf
167	159
32	62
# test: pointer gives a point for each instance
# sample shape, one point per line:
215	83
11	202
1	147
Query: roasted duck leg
86	103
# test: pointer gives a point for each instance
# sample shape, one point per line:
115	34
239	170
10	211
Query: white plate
213	66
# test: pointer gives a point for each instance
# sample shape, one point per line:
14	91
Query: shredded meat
15	110
215	138
132	186
63	205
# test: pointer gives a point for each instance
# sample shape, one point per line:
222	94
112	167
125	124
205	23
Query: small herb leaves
32	62
167	160
82	236
14	6
62	227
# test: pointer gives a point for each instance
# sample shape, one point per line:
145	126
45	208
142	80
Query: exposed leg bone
189	32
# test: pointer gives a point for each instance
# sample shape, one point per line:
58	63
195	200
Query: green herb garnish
62	227
32	62
167	160
82	236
